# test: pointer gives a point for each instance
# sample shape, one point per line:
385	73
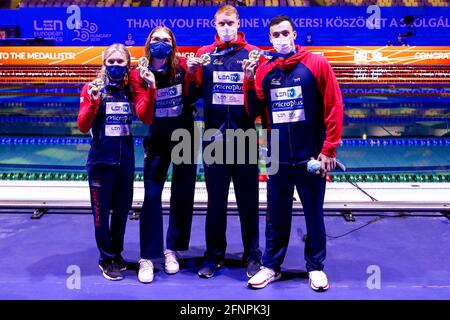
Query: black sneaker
110	270
209	268
253	266
121	262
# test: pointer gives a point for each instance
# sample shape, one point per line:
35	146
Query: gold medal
254	55
206	59
99	83
143	62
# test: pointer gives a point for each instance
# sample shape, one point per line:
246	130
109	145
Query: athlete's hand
193	64
93	91
249	67
148	76
327	163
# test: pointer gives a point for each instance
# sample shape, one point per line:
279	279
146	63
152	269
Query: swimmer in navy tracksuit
164	99
221	81
297	94
107	112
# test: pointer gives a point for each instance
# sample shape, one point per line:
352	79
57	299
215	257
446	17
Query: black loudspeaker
408	20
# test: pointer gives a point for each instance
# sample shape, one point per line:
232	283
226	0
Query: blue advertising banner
9	17
327	26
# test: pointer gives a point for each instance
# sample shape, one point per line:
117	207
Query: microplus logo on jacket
227	88
118	119
169	101
287	104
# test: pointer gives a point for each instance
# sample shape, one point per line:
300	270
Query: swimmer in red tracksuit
297	93
106	112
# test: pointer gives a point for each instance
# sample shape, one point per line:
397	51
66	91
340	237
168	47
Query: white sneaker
171	264
145	274
263	277
318	281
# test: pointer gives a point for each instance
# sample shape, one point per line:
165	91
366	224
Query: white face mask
227	33
282	45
